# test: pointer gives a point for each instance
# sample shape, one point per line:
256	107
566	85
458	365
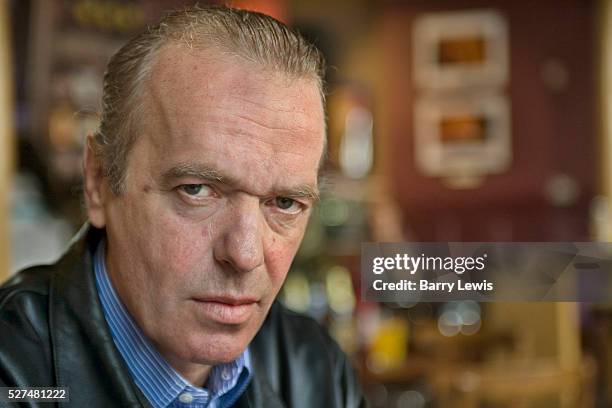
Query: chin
216	349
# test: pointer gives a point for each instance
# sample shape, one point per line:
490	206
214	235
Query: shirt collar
160	383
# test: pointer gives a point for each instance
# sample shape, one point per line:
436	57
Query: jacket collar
83	350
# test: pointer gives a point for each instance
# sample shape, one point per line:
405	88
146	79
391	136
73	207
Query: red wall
552	132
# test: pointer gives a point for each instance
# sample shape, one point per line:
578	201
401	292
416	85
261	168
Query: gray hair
253	36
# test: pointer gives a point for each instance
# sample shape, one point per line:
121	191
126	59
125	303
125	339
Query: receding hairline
214	54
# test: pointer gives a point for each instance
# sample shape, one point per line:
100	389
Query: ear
94	183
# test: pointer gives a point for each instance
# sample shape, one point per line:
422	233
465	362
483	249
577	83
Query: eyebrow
211	174
197	171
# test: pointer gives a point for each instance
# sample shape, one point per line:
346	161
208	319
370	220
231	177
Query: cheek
279	255
184	247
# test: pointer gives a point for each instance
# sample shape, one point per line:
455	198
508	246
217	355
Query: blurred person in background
199	184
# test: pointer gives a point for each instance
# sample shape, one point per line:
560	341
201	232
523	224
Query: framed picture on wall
459	49
466	136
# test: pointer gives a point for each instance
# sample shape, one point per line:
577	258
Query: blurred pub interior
449	120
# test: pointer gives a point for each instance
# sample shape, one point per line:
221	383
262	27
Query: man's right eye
196	191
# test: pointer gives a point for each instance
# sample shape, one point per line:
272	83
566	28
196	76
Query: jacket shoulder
303	334
34	280
303	363
25	359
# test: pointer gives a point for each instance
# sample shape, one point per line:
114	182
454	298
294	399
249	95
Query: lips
227	310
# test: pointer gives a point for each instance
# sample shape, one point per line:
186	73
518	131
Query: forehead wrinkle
251	125
242	133
298	118
291	126
281	106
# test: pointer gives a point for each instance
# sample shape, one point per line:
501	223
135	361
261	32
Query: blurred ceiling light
296	292
356	146
469	329
411	398
340	290
333	212
449	323
460	317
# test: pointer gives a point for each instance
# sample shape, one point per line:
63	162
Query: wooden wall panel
6	138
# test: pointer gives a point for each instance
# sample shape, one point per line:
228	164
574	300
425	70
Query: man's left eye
288	205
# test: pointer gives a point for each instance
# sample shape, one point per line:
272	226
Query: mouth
227	310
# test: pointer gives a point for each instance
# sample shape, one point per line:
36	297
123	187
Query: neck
196	374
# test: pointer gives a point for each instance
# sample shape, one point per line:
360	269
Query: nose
240	244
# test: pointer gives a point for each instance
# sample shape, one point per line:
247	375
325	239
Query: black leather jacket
53	333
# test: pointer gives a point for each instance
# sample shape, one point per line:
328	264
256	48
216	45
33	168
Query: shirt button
226	375
185	398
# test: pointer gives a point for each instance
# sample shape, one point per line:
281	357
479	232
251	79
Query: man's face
220	183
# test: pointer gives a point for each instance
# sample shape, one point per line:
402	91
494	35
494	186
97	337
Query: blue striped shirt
160	383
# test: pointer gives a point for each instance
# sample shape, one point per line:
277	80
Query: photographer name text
426	285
